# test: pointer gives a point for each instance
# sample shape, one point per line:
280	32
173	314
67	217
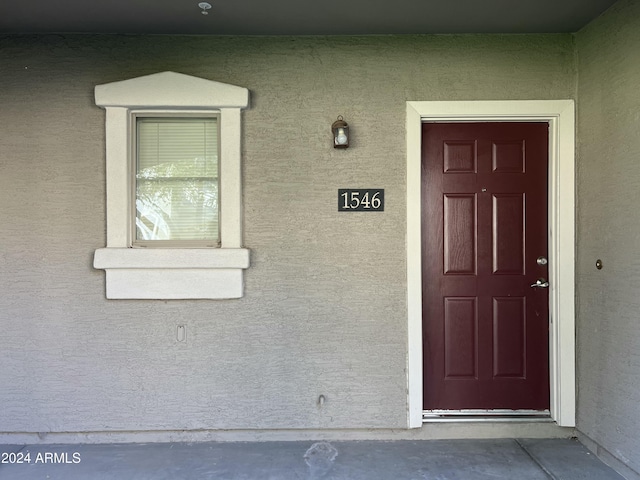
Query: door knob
540	283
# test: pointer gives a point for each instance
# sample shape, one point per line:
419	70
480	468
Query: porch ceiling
298	17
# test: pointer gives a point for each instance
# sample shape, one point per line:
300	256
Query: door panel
459	234
484	225
509	337
508	233
460	337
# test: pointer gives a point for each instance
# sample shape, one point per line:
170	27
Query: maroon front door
484	230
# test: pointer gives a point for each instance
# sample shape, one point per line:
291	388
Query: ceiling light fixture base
204	6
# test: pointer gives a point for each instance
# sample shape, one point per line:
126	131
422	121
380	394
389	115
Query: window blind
177	179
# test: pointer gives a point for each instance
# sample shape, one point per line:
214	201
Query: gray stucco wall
325	305
608	305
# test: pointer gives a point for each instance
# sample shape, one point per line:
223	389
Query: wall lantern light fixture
340	130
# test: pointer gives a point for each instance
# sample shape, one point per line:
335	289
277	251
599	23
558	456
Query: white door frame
560	114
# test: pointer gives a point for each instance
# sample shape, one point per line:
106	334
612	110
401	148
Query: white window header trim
171	89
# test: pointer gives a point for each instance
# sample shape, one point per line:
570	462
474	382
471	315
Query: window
173	188
176	187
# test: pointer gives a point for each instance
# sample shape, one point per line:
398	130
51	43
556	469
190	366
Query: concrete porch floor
520	459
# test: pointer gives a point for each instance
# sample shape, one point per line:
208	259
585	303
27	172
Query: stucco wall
325	305
608	179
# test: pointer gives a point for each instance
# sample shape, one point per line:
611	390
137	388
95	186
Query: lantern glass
340	130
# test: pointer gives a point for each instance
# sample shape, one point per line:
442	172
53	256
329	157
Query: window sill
173	273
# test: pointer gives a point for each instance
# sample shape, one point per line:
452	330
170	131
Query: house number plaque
361	200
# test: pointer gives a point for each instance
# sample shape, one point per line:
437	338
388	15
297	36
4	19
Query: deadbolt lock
542	261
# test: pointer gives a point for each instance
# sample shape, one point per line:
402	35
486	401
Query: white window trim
171	273
560	114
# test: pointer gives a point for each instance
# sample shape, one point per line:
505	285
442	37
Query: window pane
177	179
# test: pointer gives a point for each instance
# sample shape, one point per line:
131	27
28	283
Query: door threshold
472	415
